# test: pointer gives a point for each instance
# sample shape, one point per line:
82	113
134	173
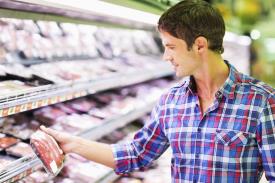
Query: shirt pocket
235	138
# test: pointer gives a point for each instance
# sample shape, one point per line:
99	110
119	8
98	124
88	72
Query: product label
53	167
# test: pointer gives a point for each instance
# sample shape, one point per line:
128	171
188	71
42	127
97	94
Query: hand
65	140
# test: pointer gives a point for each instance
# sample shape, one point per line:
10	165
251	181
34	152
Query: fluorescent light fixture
100	8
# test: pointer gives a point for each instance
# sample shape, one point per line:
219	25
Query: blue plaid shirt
233	141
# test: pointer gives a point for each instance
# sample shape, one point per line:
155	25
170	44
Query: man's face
185	61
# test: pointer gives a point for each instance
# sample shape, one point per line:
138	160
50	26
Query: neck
210	76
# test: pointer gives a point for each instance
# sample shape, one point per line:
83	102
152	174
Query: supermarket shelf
20	168
26	165
97	11
117	122
50	94
110	126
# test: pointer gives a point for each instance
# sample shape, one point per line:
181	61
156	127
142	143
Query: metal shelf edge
27	163
55	95
93	11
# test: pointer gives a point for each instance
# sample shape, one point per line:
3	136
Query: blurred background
252	18
94	69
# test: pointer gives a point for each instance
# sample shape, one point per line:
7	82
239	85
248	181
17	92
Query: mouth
175	65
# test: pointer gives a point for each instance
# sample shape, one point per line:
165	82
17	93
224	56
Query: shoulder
250	84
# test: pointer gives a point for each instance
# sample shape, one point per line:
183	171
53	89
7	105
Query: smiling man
219	123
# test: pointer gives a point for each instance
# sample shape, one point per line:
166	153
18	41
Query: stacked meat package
37	53
74	117
43	62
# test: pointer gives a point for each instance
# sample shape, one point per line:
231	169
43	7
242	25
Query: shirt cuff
120	154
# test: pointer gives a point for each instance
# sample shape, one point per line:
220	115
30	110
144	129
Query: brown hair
190	19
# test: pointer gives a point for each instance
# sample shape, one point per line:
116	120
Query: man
219	123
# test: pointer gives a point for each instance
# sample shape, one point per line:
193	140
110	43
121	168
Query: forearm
94	151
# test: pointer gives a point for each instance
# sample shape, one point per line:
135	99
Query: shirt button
218	94
199	130
197	155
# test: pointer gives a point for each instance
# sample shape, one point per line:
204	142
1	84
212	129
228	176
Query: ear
201	44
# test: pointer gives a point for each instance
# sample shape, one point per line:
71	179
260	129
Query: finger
51	132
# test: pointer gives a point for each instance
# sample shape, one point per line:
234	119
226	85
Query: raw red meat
47	149
7	142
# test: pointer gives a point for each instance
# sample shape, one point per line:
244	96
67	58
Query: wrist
77	145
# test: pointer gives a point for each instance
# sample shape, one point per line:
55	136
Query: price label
39	103
5	111
62	98
29	106
76	95
34	105
23	107
11	110
18	109
53	100
44	102
69	97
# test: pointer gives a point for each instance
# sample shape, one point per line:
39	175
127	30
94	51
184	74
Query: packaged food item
6	142
76	123
7	87
82	105
20	149
82	170
48	115
37	177
65	108
48	151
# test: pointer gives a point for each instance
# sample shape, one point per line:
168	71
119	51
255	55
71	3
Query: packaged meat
82	105
77	122
48	115
37	177
20	149
20	126
66	75
20	131
48	151
65	108
83	170
6	142
7	87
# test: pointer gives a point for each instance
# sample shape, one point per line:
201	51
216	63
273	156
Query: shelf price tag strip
54	95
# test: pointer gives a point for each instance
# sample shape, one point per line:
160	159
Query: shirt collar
228	87
230	83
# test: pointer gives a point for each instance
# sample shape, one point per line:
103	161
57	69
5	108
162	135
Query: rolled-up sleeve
148	144
266	138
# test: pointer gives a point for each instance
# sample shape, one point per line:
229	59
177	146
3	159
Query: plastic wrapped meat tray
7	142
20	149
48	151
